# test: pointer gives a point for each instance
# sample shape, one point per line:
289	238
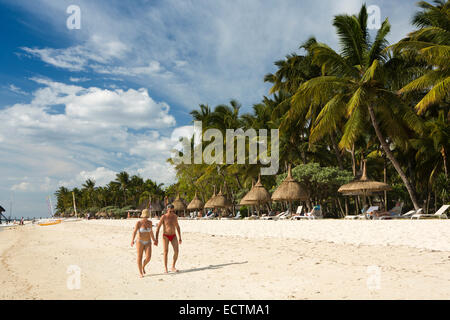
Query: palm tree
88	188
63	199
203	115
354	86
430	44
123	180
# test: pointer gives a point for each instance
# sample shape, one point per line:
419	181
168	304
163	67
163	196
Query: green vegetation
387	104
115	198
367	100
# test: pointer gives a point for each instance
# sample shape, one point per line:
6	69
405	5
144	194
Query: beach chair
238	216
409	214
316	213
364	214
358	216
276	217
439	214
298	213
284	216
395	212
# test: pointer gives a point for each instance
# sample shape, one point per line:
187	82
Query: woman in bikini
144	240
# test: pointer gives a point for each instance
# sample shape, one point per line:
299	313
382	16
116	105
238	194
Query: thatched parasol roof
363	186
244	201
209	203
178	204
220	201
195	204
289	190
258	194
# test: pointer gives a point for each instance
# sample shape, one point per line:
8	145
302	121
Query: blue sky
116	94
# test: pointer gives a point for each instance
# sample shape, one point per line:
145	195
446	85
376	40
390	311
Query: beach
224	259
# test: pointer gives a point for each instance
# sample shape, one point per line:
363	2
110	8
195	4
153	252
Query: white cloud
17	90
101	175
23	186
202	51
68	133
82	79
97	49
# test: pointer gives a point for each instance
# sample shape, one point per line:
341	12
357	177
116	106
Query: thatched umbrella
195	204
220	201
209	203
258	194
178	204
245	202
290	190
363	186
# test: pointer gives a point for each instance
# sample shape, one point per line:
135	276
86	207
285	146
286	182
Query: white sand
324	259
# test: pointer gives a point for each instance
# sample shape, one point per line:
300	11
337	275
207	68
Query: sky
115	94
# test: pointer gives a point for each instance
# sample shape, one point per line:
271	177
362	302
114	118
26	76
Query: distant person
21	221
169	221
394	211
144	241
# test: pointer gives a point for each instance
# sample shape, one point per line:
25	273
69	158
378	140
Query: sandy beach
326	259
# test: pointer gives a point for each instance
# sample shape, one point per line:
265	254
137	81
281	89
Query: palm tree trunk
385	181
408	185
336	151
352	152
444	157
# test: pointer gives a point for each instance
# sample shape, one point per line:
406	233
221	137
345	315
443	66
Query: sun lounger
395	212
297	213
314	214
278	216
287	215
439	214
364	215
409	214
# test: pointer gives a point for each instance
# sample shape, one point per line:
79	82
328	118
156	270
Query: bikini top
142	230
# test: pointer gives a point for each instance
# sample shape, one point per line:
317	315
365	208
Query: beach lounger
439	214
409	214
286	215
298	213
395	212
358	216
278	216
364	215
316	213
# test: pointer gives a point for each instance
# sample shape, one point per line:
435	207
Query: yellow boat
50	223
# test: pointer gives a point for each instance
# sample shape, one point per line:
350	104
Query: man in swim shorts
169	222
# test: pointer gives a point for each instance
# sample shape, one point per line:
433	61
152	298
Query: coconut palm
355	87
430	44
123	180
203	115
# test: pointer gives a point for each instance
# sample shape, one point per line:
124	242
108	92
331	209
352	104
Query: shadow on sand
210	267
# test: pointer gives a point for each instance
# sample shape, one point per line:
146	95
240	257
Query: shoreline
36	259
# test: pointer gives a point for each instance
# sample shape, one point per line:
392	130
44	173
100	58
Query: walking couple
144	231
